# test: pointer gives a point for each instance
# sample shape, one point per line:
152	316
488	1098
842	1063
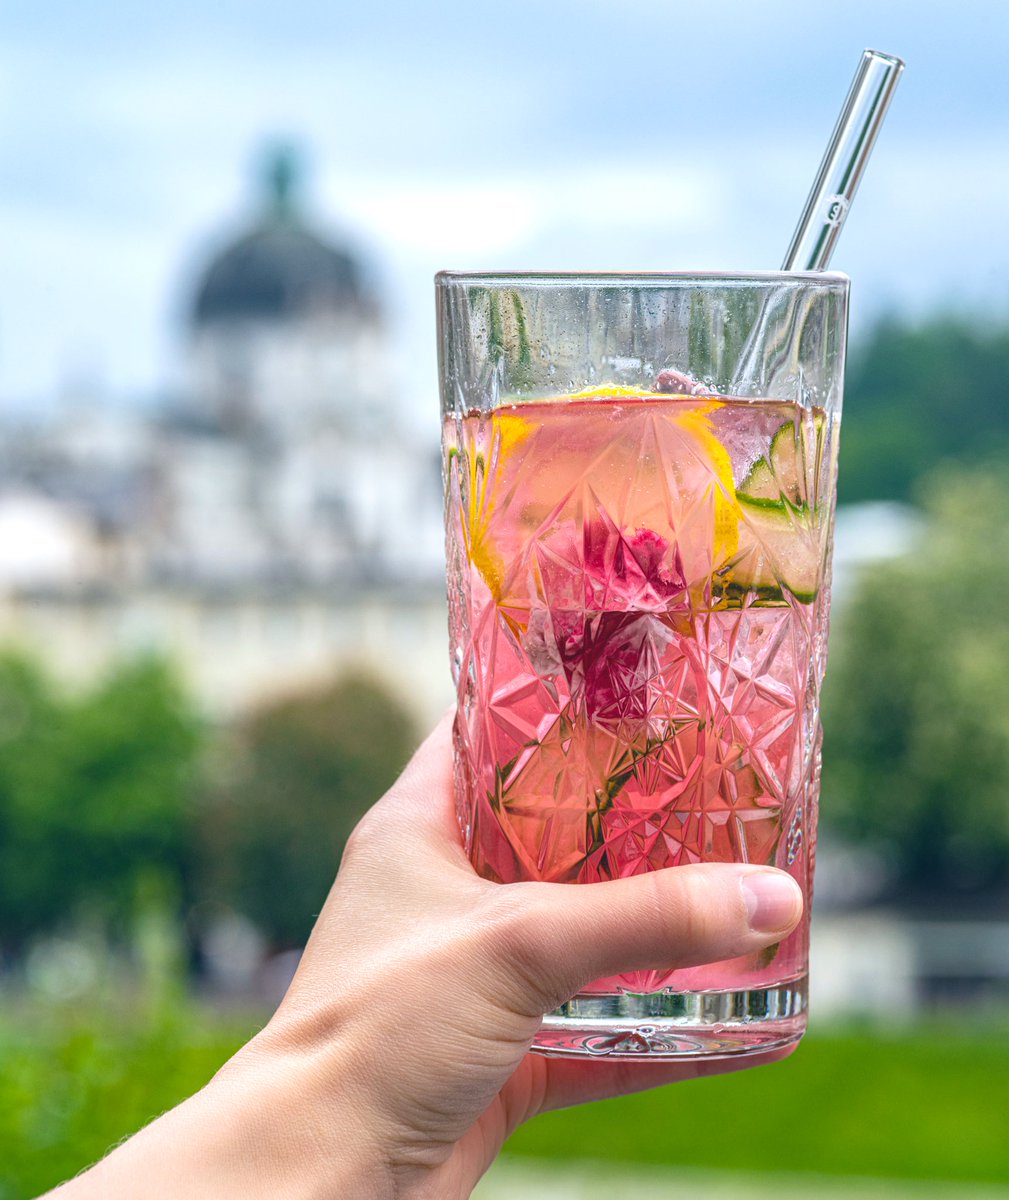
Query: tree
916	395
288	786
916	756
94	794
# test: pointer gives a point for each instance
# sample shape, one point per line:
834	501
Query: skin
398	1062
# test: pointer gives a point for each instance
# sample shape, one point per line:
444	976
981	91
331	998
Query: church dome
279	269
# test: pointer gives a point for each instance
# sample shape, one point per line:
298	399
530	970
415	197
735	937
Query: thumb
562	936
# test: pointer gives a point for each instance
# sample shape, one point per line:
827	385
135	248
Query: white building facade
267	530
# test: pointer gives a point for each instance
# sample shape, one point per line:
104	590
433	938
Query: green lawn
72	1084
549	1179
933	1104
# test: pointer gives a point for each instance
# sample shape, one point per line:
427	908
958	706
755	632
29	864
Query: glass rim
642	279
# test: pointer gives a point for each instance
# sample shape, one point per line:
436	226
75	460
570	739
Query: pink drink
638	623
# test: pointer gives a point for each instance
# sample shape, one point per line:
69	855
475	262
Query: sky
542	134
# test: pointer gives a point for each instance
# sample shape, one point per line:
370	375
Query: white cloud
574	135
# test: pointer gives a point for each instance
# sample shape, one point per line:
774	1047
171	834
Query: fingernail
772	900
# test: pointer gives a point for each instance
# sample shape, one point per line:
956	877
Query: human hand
398	1062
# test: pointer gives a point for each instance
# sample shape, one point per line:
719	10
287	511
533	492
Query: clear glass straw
844	162
840	172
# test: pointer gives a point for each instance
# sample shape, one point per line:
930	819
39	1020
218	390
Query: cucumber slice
781	542
787	462
794	455
779	554
760	482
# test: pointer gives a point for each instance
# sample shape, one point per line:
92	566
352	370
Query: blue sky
644	134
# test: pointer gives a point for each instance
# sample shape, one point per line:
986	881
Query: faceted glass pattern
638	680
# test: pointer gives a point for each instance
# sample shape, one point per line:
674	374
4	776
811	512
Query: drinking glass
640	480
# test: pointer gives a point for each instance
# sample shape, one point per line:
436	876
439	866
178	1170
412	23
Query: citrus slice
507	430
726	535
535	474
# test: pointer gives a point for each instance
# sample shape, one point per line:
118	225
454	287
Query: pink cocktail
638	606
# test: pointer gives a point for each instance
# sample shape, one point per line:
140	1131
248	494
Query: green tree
289	784
919	394
917	701
94	794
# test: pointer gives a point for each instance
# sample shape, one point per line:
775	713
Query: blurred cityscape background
222	625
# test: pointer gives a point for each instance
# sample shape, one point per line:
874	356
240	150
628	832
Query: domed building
286	330
269	529
285	464
279	269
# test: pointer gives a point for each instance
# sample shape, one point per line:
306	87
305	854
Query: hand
398	1062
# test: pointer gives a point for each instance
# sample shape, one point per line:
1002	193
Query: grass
548	1179
930	1104
74	1084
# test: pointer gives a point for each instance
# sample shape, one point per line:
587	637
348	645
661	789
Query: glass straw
840	172
844	162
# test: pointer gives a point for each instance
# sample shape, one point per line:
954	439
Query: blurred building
266	528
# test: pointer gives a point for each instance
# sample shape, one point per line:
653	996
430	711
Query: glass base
676	1025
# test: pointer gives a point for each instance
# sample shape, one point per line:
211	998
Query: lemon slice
697	424
616	390
507	430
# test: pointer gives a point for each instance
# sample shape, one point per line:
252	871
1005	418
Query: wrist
298	1120
264	1128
